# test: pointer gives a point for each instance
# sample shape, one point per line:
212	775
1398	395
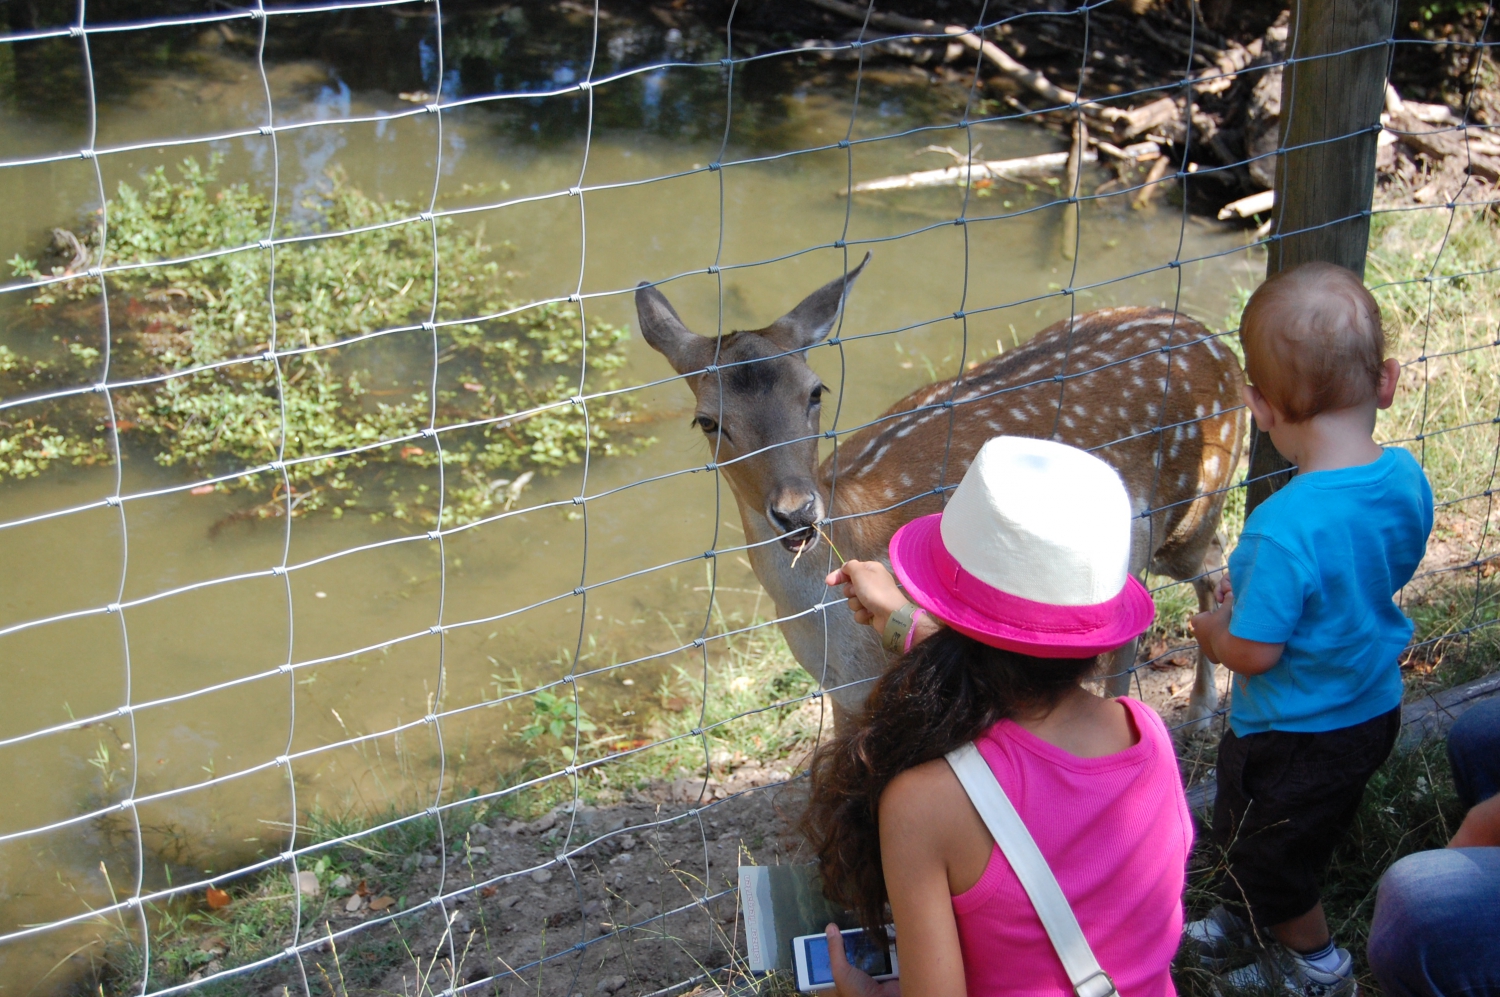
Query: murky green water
648	126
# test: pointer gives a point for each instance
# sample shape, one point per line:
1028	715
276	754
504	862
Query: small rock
627	842
511	901
592	908
614	825
542	876
515	827
342	882
354	903
621	858
461	927
429	860
645	911
480	830
369	870
307	883
409	863
544	823
610	984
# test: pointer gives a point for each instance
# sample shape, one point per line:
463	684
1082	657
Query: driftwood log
1221	107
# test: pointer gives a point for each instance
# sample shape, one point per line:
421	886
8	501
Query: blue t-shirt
1316	569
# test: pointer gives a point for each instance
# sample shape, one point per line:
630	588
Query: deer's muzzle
795	512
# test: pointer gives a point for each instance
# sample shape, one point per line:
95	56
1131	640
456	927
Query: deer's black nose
794	510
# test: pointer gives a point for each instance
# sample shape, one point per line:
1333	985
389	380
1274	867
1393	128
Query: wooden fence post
1324	182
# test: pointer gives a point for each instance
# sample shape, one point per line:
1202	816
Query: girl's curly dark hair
946	691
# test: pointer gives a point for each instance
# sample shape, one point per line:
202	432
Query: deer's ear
684	349
813	319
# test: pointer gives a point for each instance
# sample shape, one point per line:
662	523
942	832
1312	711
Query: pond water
652	125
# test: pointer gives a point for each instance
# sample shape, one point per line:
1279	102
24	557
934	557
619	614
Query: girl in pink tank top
1012	595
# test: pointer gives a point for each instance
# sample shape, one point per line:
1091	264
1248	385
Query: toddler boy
1309	626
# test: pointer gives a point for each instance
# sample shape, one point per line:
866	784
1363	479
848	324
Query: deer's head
758	402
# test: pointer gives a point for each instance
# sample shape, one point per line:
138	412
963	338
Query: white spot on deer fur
1067	420
1182	480
1136	323
1151	409
906	480
1080	410
1224	432
1018	415
1217	408
890	493
1192	431
1137	381
995	426
1211	467
1200	411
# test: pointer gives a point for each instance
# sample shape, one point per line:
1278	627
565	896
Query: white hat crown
1042	521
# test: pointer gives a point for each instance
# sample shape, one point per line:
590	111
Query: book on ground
779	903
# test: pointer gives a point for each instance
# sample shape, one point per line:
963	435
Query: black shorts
1284	801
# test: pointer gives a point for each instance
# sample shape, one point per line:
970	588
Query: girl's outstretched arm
873	597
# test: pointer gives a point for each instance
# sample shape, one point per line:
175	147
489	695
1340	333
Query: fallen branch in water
1031	79
1248	207
1028	167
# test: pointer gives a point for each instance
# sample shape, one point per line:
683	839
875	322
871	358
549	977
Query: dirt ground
644	904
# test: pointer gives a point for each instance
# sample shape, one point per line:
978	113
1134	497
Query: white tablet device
814	972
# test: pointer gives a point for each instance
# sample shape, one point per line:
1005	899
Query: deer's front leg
1118	670
1204	699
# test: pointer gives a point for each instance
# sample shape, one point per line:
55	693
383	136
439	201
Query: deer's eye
706	424
816	398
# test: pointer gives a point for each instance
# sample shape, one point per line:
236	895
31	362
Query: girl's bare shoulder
922	793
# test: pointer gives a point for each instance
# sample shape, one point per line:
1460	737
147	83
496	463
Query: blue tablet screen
857	946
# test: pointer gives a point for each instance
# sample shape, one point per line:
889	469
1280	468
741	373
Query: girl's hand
871	591
1223	590
847	980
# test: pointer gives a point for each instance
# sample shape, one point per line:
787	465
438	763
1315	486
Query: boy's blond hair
1313	341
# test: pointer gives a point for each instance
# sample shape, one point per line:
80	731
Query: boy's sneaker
1279	970
1218	937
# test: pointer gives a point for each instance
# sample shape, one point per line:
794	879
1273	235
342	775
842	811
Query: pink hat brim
940	585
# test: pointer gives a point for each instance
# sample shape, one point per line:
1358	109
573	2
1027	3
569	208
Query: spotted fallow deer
1150	391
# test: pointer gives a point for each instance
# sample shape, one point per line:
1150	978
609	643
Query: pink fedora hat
1032	553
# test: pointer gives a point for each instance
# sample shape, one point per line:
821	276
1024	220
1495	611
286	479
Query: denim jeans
1436	931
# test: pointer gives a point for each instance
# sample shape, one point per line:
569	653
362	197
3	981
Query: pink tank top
1116	832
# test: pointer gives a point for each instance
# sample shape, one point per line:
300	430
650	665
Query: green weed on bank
1436	274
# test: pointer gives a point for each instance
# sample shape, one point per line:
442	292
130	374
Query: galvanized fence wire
957	400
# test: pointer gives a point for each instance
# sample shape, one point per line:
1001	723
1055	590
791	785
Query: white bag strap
1009	832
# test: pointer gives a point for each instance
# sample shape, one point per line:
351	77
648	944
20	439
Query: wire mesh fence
320	747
